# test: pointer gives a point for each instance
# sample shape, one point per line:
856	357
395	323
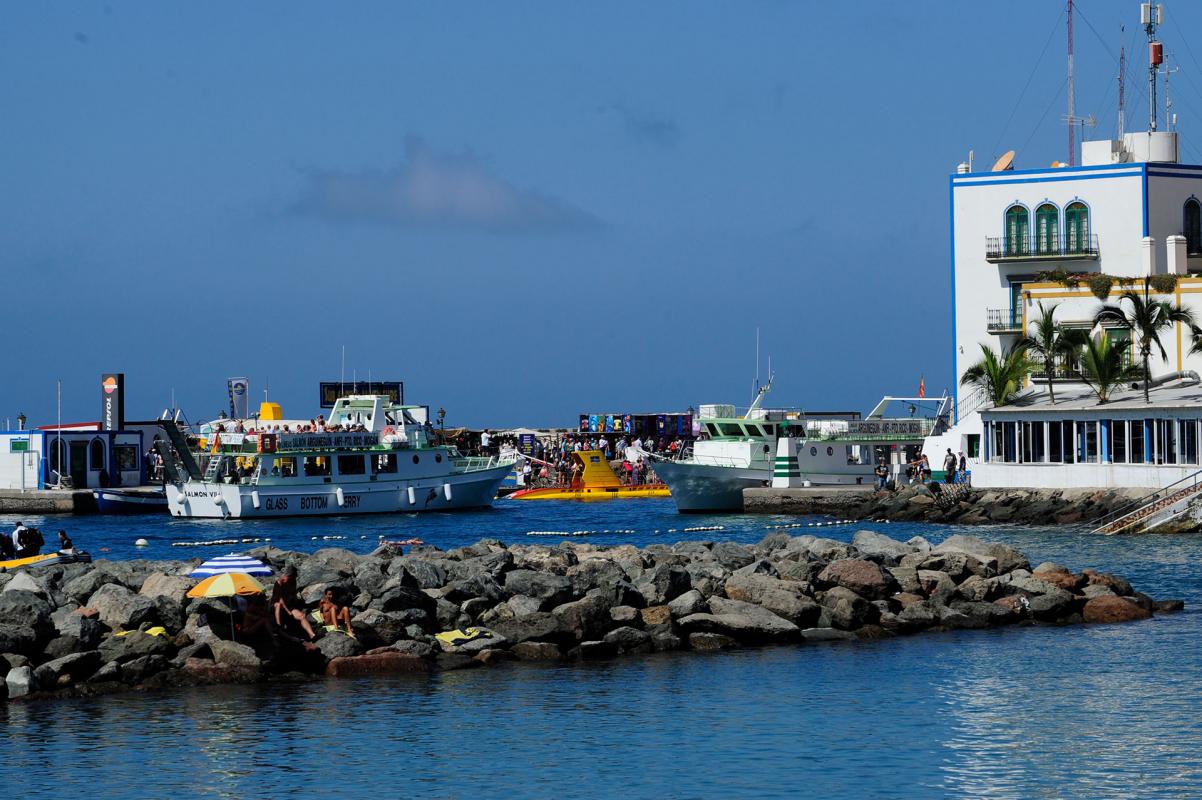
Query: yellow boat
45	560
595	481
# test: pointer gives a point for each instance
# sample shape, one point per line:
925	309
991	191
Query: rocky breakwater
88	628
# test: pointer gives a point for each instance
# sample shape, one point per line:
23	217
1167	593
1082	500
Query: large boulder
549	589
628	640
159	584
871	543
1002	558
381	627
235	654
482	584
936	585
428	574
69	668
133	645
691	602
19	682
19	639
328	565
665	583
24	608
25	582
783	598
82	587
744	622
1110	608
587	618
847	609
370	577
118	607
865	578
732	555
541	626
137	671
339	645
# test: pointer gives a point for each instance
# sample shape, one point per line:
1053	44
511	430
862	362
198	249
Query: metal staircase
1155	509
180	450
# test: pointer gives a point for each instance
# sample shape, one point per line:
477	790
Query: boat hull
126	501
590	494
706	487
451	492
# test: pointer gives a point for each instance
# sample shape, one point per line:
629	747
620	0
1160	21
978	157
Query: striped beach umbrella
231	563
226	584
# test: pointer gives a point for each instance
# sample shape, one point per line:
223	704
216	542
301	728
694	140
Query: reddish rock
1068	518
89	613
1014	603
908	598
1059	577
656	615
1119	585
1113	609
204	671
865	578
536	651
378	664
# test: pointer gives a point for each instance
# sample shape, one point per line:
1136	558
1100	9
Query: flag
922	386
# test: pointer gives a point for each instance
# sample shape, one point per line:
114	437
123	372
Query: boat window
383	464
316	466
769	431
711	429
730	429
284	467
351	465
830	451
753	432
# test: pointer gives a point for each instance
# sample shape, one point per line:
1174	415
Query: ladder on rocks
1155	509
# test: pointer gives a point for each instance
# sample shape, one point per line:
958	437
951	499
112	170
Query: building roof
1076	398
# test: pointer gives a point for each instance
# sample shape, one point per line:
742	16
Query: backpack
30	539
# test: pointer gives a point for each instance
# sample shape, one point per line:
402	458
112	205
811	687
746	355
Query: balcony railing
1019	248
1004	320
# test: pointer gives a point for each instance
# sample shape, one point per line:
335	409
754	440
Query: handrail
1140	503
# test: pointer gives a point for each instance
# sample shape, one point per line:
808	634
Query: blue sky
523	211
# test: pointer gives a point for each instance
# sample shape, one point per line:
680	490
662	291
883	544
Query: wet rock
1169	606
536	651
705	641
984	613
865	578
918	616
67	669
629	640
119	608
827	635
19	682
1051	606
338	645
233	654
140	669
1112	609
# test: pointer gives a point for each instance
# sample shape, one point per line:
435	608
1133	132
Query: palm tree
1048	341
1146	319
1000	376
1102	364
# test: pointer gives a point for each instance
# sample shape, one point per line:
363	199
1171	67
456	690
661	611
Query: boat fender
340	496
254	498
446	490
219	500
412	495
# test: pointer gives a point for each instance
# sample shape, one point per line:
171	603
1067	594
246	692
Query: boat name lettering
276	504
312	502
351	501
199	493
871	427
319	441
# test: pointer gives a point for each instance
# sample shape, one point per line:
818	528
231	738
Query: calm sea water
1100	711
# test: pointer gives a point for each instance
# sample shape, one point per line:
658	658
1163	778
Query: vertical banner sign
239	391
112	401
526	444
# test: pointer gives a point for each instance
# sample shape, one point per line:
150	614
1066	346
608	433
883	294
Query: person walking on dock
949	467
882	474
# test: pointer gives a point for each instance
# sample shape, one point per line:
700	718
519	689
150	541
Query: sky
523	211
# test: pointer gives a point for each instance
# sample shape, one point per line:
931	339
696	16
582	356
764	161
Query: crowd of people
258	618
955	470
26	542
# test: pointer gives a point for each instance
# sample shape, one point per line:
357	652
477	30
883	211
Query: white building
1129	211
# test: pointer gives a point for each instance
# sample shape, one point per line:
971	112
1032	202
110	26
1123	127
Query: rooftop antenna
1150	16
1071	119
757	358
1122	75
1170	119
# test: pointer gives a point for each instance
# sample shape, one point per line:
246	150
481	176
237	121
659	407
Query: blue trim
1050	180
1148	443
1144	179
1104	441
1047	170
951	216
1159	174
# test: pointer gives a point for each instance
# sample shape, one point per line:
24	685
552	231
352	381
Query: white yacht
742	452
373	456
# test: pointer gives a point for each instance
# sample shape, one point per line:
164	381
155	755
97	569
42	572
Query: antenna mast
1150	16
1122	75
1072	141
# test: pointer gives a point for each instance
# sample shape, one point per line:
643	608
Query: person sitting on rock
332	613
256	621
285	604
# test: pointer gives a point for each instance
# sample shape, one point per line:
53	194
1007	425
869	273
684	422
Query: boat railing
476	463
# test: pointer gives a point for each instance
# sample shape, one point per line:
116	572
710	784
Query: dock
47	501
807	500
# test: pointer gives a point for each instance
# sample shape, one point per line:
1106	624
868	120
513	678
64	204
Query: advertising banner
112	401
239	390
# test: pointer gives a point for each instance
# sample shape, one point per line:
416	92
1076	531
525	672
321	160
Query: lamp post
20	422
442	425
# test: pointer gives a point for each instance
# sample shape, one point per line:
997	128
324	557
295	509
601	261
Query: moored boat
595	481
139	500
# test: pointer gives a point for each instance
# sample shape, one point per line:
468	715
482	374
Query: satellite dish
1006	162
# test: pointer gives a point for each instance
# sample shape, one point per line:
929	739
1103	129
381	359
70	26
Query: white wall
994	475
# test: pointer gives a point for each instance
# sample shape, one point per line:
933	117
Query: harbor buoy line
793	525
220	542
577	533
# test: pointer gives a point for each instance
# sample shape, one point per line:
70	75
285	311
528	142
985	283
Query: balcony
1003	249
1004	320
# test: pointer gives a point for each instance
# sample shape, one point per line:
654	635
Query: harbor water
1087	711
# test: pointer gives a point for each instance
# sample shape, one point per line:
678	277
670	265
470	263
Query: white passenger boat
827	449
381	457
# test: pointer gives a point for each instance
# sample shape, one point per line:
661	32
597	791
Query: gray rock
66	669
588	617
986	613
594	573
108	673
137	671
827	635
732	555
871	543
549	590
120	608
628	639
1090	591
493	641
24	608
19	682
846	608
370	577
624	615
159	584
918	616
428	574
133	645
339	645
85	585
664	638
383	627
758	567
744	621
24	582
537	651
234	654
18	639
937	586
61	646
907	579
668	582
1051	605
414	648
783	598
866	578
539	626
707	641
401	598
691	602
170	613
707	577
830	550
479	585
328	565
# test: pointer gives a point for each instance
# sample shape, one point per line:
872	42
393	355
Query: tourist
332	613
527	474
16	535
485	441
285	604
65	545
882	474
963	476
949	467
926	468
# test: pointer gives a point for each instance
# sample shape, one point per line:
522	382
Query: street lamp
20	422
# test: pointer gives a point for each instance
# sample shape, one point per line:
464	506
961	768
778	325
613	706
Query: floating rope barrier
793	525
327	538
705	528
580	533
221	542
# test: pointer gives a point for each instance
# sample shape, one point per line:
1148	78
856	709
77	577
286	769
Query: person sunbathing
332	613
285	603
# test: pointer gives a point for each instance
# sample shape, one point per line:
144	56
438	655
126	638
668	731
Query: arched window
1018	220
96	454
1047	230
1193	226
1076	228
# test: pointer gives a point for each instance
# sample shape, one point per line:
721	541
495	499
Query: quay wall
47	501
